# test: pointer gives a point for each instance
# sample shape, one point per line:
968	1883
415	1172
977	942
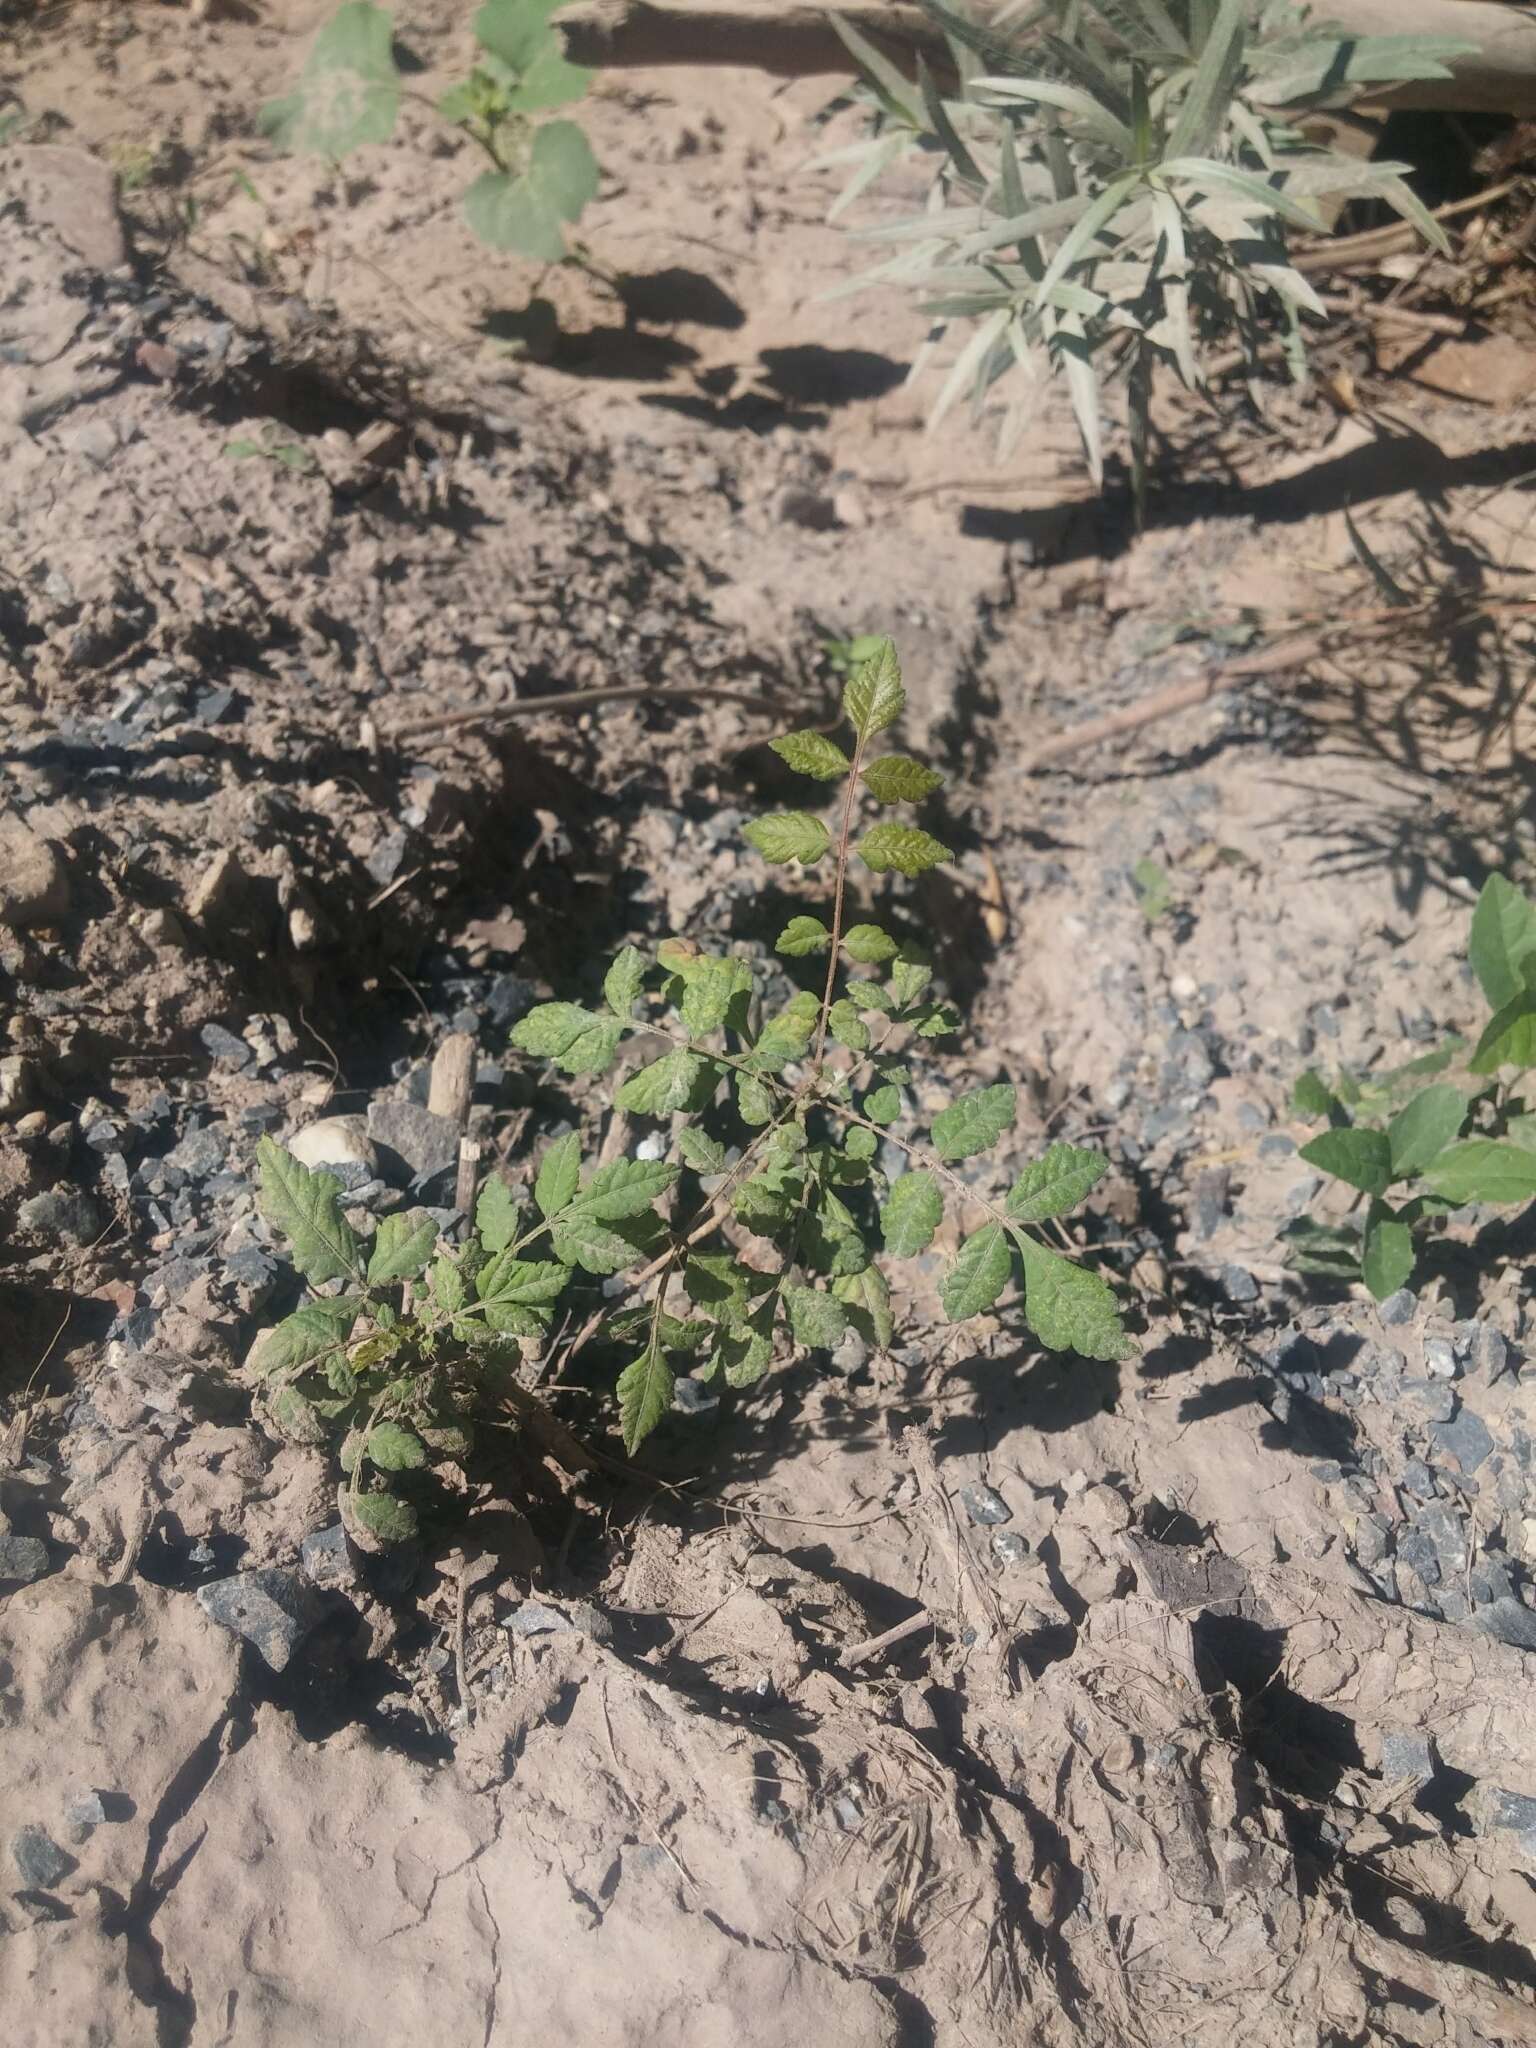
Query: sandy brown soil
1189	1756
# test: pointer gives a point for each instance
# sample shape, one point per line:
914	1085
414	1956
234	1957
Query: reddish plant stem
845	833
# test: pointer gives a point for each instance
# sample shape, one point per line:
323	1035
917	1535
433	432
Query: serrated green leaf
1328	1248
1069	1308
348	93
816	1319
812	753
873	697
700	1151
529	211
784	836
720	1285
753	1101
578	1041
582	1239
383	1516
449	1289
861	1144
1312	1096
872	996
393	1448
1056	1183
297	1417
1360	1157
867	1298
784	1038
710	988
624	981
1387	1260
1503	936
402	1245
627	1187
1483	1170
883	1105
496	1214
513	1319
679	1080
979	1273
803	935
527	1283
898	779
745	1349
909	977
868	944
1509	1037
306	1207
645	1389
976	1121
1423	1128
903	848
911	1213
311	1331
847	1026
769	1202
559	1173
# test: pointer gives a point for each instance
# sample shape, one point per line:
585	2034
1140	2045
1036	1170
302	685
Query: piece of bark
453	1078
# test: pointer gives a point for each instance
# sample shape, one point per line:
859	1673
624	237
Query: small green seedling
1447	1130
542	173
271	446
783	1176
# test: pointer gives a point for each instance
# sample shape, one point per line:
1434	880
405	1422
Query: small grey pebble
39	1858
1398	1308
1440	1357
1418	1480
694	1397
535	1618
1009	1547
1509	1621
1465	1438
1408	1755
984	1505
1238	1284
326	1558
1433	1399
272	1610
23	1559
85	1810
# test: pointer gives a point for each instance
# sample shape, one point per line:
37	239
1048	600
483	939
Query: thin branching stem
839	883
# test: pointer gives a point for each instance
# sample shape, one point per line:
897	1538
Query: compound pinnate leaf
816	1319
1483	1170
868	944
1069	1308
579	1041
678	1080
496	1214
1423	1128
529	212
310	1332
979	1274
524	1283
812	753
847	1026
904	849
784	836
1360	1157
1503	936
1387	1258
306	1207
976	1121
349	92
645	1394
559	1173
394	1448
402	1246
803	935
1056	1183
873	697
898	779
627	1187
382	1516
911	1213
624	980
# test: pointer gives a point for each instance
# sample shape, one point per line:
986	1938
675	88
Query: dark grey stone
1407	1754
694	1397
1489	1581
1398	1308
225	1046
1442	1526
199	1153
1453	1605
428	1144
1009	1547
327	1559
510	998
1238	1284
68	1213
1465	1438
984	1505
23	1559
1433	1399
1482	1349
1417	1550
1418	1480
1514	1813
86	1810
39	1858
384	861
536	1618
272	1610
1509	1621
1440	1357
1371	1539
1276	1146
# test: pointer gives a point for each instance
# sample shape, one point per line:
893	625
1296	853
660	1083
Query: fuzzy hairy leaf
645	1388
449	1288
1313	1247
976	1121
497	1214
745	1349
627	1187
582	1239
812	753
803	935
1503	937
529	211
911	1213
624	981
903	848
753	1101
898	779
297	1417
882	1105
559	1173
306	1207
784	836
349	92
720	1285
1423	1128
384	1516
909	977
579	1041
700	1151
529	1283
1056	1183
311	1331
402	1246
979	1273
394	1448
1483	1170
873	697
816	1319
711	985
1387	1257
867	1298
869	945
782	1039
1069	1308
847	1026
1360	1157
679	1080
